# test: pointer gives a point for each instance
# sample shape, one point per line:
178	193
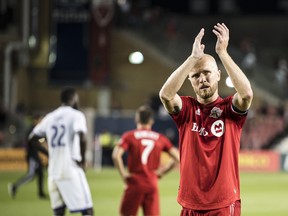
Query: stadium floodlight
136	58
229	82
32	41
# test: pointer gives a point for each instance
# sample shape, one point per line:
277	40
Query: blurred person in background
144	147
106	142
209	129
65	130
249	60
281	73
35	165
3	120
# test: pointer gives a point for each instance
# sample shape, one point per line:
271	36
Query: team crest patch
215	112
218	128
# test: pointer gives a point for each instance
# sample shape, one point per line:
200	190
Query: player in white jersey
65	129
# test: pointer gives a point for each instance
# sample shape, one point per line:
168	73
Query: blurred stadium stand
164	31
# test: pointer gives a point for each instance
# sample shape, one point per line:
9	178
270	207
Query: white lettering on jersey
218	128
146	135
149	145
202	131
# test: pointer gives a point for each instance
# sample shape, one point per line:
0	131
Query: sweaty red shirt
209	143
144	149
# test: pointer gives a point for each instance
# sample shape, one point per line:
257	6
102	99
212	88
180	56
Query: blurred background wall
48	44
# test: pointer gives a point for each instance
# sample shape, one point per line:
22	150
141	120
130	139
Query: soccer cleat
12	190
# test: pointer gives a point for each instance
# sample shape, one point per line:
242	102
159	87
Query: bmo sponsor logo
218	128
202	131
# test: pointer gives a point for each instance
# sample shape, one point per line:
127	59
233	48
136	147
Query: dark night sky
245	6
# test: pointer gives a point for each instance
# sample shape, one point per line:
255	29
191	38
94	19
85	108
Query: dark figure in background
65	130
35	165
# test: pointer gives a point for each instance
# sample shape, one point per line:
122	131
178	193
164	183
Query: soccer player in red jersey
209	129
144	147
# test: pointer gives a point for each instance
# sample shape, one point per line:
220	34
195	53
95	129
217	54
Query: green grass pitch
264	194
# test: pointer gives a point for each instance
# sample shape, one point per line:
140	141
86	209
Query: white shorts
72	192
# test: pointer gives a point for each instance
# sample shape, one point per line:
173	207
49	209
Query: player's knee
88	212
59	211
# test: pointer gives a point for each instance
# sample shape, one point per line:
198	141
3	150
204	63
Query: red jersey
144	150
209	143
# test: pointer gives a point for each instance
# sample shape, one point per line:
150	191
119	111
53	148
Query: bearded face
204	78
206	92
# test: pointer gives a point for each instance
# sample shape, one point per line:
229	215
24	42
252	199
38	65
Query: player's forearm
118	162
238	78
174	154
83	150
166	169
83	144
176	80
43	150
120	167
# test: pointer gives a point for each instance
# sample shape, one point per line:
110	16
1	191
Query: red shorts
232	210
135	196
